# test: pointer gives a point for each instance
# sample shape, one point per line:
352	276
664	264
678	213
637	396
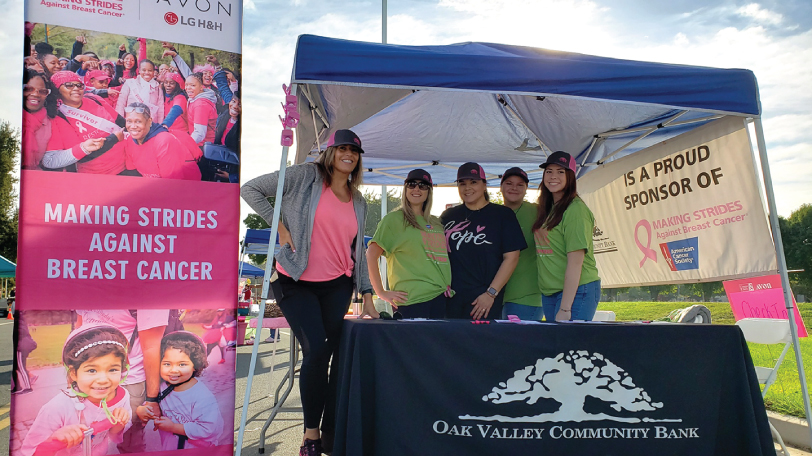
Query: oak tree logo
569	379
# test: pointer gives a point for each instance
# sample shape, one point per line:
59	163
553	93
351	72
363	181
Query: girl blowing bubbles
94	357
191	417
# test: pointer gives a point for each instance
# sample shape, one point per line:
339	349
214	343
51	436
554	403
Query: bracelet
565	310
151	399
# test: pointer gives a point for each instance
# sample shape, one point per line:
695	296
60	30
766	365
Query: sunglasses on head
29	90
138	109
421	185
74	85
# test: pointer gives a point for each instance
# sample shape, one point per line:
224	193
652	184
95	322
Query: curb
794	431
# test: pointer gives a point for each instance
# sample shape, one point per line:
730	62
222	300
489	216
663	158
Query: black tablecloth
452	387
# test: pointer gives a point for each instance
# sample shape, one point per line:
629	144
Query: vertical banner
684	210
129	219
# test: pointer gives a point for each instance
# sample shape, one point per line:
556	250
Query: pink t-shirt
61	411
334	228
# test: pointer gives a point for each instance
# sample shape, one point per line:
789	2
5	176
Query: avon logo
456	233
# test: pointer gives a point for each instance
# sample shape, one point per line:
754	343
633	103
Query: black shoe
311	448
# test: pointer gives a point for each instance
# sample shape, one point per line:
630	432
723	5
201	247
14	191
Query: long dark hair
325	164
550	213
134	70
50	100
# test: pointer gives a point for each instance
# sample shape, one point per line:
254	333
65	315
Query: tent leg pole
266	283
782	267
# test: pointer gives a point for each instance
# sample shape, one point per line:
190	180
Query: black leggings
315	312
433	308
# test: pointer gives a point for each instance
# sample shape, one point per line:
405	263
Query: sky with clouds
771	38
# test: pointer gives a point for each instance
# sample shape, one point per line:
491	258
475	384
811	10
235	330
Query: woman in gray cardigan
320	265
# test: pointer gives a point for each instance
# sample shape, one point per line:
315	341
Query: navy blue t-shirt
476	242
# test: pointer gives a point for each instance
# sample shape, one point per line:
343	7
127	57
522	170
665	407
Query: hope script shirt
476	242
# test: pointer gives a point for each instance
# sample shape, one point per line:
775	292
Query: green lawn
785	394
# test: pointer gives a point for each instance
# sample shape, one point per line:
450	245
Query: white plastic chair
768	331
604	315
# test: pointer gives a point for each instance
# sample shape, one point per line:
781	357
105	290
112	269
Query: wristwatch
492	292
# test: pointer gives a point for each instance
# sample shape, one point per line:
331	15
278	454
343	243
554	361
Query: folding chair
604	315
768	331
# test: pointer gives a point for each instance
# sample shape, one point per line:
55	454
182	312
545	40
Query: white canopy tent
439	106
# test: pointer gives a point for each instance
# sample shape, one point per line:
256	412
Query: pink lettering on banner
648	252
435	246
761	297
118	242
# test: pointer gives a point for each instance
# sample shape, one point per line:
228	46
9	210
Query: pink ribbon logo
648	252
80	127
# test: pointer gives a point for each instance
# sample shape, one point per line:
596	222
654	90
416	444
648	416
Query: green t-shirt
523	286
573	233
416	260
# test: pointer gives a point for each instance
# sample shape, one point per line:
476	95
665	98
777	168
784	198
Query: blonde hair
409	217
325	163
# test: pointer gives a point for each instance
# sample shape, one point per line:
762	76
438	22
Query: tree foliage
9	213
374	208
796	233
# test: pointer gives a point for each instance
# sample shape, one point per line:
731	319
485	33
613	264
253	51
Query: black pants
460	305
434	308
315	312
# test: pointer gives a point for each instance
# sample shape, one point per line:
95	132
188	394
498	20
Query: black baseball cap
516	171
345	137
560	158
419	175
470	170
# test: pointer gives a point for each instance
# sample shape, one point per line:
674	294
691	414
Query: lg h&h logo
171	18
568	379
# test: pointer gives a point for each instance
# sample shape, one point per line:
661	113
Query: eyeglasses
421	185
74	85
27	90
138	109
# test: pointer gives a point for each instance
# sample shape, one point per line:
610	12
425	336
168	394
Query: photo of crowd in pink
91	106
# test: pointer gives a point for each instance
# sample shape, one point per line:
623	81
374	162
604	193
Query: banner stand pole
782	267
266	282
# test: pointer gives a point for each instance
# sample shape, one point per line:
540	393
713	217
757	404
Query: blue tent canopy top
440	106
7	268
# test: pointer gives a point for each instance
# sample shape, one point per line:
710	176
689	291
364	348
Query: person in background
97	82
202	113
413	242
320	265
37	116
568	276
484	241
143	89
522	295
175	103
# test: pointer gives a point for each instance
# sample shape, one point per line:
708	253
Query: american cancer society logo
681	255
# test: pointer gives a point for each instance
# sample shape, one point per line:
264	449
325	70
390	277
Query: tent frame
767	181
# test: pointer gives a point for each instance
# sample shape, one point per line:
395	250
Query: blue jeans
583	306
522	311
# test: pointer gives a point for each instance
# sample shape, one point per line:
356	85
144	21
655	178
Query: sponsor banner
215	24
761	297
681	211
125	242
128	237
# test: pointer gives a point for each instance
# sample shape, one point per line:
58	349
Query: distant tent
249	271
7	268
